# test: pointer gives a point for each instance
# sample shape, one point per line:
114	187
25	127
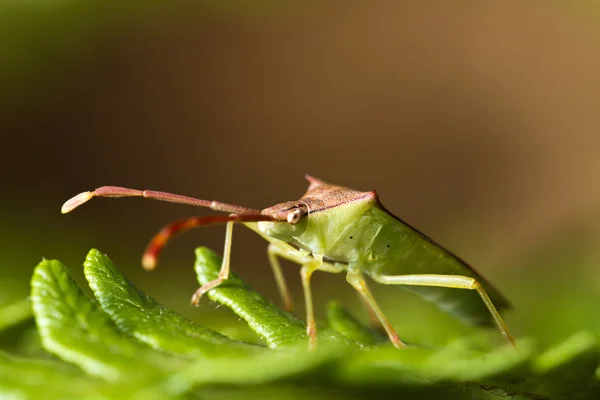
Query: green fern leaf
140	316
72	327
278	328
128	345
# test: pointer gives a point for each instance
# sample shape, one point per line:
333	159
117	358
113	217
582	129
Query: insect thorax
340	233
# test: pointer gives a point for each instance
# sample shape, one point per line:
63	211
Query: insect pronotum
336	229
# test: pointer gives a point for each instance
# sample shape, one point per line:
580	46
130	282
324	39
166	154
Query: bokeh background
478	122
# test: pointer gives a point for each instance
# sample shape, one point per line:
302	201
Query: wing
416	253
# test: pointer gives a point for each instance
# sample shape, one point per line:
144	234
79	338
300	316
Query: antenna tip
76	201
148	262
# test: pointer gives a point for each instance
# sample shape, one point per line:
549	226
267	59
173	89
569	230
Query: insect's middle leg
223	273
358	282
284	250
311	326
309	264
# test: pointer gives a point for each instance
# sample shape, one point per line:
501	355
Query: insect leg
302	257
224	272
373	318
309	264
358	282
311	326
273	251
449	281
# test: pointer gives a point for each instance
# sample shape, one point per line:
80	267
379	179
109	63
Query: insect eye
295	216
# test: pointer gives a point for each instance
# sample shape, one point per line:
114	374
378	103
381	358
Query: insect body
335	229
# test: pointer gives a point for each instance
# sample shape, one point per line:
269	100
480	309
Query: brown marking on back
319	196
322	195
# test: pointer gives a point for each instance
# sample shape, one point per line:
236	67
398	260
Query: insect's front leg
223	273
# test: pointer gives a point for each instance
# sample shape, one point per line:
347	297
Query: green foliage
14	313
138	315
276	327
124	344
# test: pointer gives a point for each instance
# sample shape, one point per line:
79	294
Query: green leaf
16	327
41	378
250	369
127	348
343	322
421	366
15	313
564	367
72	327
278	328
139	315
34	378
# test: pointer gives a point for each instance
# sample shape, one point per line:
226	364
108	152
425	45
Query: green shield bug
336	229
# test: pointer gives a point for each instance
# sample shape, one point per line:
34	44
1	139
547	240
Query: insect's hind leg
358	282
449	281
273	252
224	272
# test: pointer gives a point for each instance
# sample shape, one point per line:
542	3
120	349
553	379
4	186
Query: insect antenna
158	242
116	191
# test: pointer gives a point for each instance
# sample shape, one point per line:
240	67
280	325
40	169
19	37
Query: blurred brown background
477	122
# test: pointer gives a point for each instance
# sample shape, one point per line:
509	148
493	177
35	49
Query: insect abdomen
399	249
